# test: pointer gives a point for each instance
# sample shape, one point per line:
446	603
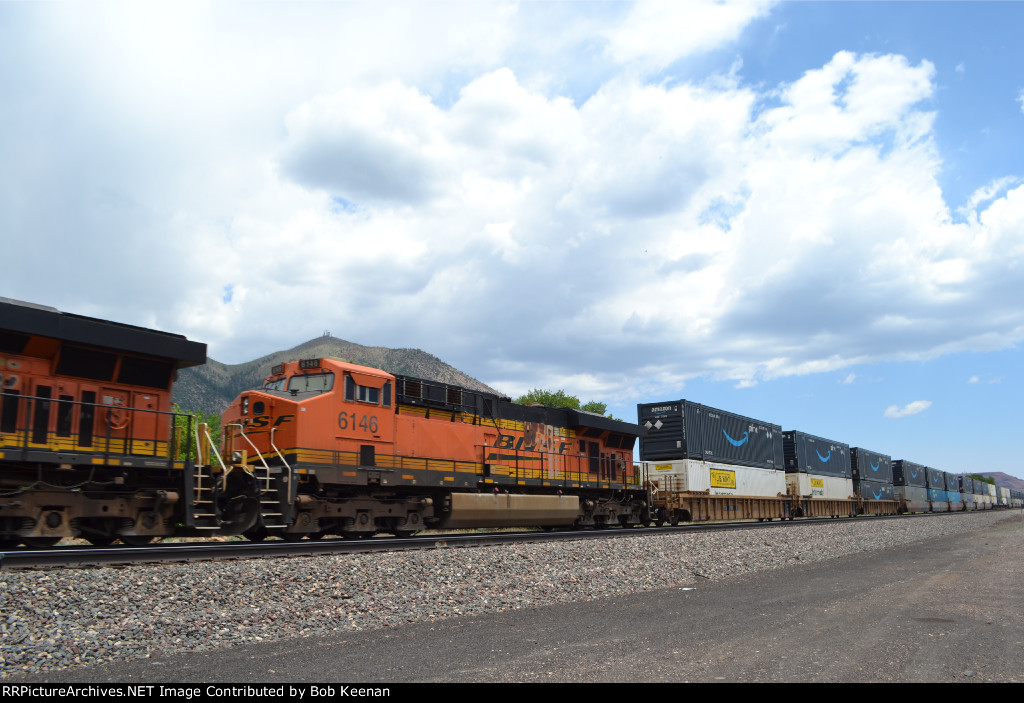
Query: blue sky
808	213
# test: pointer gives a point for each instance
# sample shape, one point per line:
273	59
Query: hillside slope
212	387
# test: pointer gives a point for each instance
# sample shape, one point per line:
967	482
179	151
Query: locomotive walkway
942	610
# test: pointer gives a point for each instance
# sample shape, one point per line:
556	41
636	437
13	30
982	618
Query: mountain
212	387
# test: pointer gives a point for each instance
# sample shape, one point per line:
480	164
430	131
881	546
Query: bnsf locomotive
90	447
352	450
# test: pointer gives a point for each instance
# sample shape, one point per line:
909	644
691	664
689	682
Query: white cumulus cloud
908	409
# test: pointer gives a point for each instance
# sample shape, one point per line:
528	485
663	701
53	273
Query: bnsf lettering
264	420
507	441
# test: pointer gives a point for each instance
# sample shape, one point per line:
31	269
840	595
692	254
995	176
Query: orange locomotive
351	450
87	440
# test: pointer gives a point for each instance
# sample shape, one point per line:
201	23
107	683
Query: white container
696	476
811	485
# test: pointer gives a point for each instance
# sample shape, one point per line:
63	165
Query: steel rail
171	552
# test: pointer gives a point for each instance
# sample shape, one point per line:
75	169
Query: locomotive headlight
245	405
236	457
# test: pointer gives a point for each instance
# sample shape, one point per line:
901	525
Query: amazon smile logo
735	442
874	467
825	458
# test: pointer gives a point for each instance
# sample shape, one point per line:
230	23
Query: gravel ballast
62	618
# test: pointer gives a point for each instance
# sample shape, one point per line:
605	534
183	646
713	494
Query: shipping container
694	476
681	429
907	473
939	500
818	486
916	497
808	454
870	466
873	490
935	478
966	484
956	501
952	481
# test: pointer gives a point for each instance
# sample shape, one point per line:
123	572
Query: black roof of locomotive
41	320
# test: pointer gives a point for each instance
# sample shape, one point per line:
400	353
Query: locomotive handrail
259	454
293	485
213	448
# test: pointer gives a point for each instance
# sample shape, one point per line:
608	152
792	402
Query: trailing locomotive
88	446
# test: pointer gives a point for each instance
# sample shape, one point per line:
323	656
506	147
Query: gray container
681	429
907	473
936	479
915	496
966	484
870	466
808	454
873	490
952	482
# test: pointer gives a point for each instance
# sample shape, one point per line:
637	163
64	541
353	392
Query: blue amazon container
870	466
808	454
681	429
907	473
873	490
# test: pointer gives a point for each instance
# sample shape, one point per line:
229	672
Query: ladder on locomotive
206	514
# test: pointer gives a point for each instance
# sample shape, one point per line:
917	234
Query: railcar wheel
292	536
136	540
316	535
256	534
674	520
98	541
40	542
406	534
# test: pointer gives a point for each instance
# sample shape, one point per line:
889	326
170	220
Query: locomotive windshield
275	385
312	382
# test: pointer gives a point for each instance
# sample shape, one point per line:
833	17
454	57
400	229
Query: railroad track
170	552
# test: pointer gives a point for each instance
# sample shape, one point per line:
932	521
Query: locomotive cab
314	411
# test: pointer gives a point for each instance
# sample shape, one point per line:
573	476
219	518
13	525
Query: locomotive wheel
98	541
406	534
292	536
40	542
136	540
316	535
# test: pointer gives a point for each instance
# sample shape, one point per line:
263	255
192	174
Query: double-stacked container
936	485
953	497
910	483
872	474
817	467
967	493
696	448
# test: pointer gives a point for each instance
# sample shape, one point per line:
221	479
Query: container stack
872	474
910	484
967	493
936	485
695	448
817	467
953	497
